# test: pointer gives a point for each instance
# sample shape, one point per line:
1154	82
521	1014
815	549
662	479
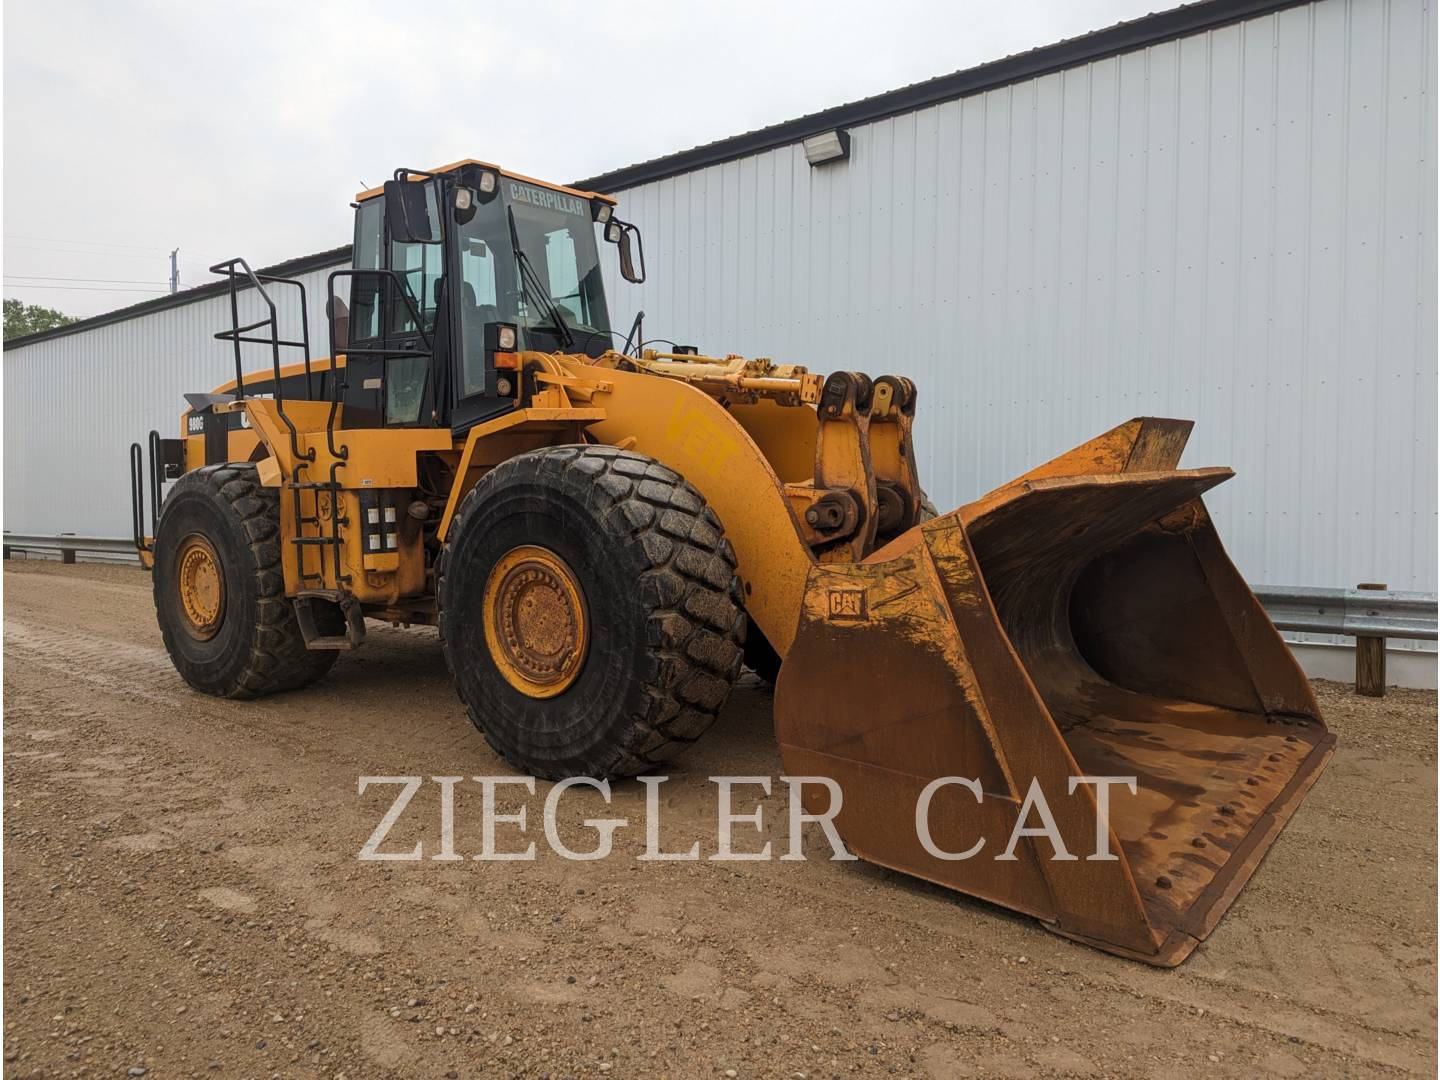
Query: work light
827	146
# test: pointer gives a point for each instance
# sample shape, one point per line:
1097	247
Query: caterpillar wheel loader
604	533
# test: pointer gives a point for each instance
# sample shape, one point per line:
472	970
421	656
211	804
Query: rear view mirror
407	212
619	233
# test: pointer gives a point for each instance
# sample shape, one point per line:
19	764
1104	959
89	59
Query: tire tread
278	660
696	621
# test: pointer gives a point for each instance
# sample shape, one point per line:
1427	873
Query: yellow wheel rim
535	621
201	586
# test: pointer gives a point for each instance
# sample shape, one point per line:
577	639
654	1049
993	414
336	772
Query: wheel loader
604	533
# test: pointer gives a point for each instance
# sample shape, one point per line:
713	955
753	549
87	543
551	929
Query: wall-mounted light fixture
827	146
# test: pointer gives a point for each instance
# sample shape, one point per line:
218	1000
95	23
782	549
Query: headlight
602	210
612	232
488	182
464	198
506	338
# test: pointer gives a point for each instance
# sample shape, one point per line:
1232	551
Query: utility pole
174	272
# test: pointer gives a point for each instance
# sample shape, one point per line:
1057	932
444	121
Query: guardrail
1369	613
68	545
1352	612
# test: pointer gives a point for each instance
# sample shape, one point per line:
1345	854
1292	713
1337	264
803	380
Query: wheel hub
201	586
535	621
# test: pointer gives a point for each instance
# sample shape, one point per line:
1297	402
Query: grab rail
231	269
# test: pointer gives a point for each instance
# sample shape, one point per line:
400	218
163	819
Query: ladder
266	331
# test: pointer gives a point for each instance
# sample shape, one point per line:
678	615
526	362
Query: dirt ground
183	897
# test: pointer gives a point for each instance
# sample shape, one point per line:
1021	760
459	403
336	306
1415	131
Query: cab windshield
557	237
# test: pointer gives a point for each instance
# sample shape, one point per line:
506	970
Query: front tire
220	591
589	611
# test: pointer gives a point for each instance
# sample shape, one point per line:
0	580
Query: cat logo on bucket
847	604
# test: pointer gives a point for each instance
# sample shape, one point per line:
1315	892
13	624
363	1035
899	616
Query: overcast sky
246	128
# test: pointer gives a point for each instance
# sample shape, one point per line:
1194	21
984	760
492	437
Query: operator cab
455	266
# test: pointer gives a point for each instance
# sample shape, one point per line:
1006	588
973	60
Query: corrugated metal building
77	397
1224	212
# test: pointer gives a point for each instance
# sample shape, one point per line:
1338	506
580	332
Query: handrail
157	482
137	508
236	335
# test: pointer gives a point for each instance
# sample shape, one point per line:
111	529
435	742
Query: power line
89	243
90	252
99	280
88	246
82	288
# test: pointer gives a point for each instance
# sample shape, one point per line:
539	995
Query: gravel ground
183	897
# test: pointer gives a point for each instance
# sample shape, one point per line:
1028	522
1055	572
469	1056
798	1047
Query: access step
354	635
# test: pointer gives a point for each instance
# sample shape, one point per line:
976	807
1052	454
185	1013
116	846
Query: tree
22	319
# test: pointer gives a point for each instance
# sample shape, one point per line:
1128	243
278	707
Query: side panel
690	432
785	435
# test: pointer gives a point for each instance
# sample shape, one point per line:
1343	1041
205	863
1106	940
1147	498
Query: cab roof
372	192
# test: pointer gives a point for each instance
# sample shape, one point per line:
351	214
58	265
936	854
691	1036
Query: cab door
391	376
484	286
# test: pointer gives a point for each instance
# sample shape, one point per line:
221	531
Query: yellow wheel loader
603	533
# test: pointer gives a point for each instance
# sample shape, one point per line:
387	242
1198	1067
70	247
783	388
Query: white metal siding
1236	227
74	404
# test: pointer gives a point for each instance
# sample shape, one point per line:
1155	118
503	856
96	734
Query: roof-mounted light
601	210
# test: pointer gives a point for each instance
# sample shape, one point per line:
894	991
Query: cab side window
366	291
478	306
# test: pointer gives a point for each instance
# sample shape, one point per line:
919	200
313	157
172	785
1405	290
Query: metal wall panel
1236	227
74	404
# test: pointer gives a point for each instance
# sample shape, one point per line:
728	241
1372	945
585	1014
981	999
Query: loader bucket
1070	624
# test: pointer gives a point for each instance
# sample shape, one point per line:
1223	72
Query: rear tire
634	628
220	592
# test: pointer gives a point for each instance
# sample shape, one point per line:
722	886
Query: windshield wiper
527	272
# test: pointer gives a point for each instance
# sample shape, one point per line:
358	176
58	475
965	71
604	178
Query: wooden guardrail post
1370	656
